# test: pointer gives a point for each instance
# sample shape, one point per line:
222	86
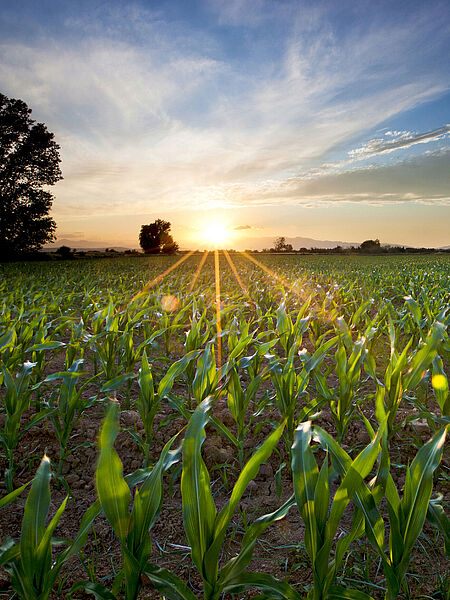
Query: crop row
361	341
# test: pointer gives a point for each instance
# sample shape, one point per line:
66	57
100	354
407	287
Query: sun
216	234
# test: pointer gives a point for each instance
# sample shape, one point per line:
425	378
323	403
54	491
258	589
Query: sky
320	119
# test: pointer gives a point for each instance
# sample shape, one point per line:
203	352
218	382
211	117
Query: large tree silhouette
29	160
155	238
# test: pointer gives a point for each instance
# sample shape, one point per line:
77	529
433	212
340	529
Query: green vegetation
324	385
29	163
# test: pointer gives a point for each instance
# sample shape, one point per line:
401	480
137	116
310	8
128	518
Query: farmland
235	425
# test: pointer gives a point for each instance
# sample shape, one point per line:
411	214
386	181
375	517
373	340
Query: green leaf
276	588
237	564
305	474
9	552
45	346
439	519
97	590
168	584
199	511
414	309
224	429
113	491
148	500
337	592
13	495
86	523
418	487
35	514
116	382
166	383
249	472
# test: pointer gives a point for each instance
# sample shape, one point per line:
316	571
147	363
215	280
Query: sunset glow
287	118
216	235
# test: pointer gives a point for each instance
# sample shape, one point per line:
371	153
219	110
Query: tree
370	246
29	160
65	252
156	238
281	246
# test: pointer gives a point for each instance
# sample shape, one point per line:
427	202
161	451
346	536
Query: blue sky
318	119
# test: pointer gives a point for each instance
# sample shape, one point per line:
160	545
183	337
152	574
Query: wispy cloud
153	113
400	140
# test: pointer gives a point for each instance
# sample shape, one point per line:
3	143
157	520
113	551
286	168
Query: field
242	426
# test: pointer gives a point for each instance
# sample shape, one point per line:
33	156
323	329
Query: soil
279	551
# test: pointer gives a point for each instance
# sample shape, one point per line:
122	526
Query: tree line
366	247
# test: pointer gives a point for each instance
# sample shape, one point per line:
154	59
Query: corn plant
206	529
16	400
342	399
148	404
196	339
291	333
406	515
175	370
290	385
75	345
312	495
68	408
12	496
238	401
30	563
404	371
131	528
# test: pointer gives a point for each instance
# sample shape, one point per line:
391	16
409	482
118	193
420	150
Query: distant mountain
82	245
297	243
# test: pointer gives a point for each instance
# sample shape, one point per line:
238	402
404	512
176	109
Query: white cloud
404	139
151	113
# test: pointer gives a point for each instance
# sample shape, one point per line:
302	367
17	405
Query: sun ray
236	274
218	316
160	277
283	282
197	272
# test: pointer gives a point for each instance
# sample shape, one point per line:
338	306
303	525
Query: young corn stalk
404	371
238	401
406	515
290	334
289	385
16	400
195	340
132	528
206	529
342	399
30	563
68	408
148	404
312	495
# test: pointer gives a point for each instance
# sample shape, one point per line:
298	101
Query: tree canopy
370	246
29	160
155	238
281	246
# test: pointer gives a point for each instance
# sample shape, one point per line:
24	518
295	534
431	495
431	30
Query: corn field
225	425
